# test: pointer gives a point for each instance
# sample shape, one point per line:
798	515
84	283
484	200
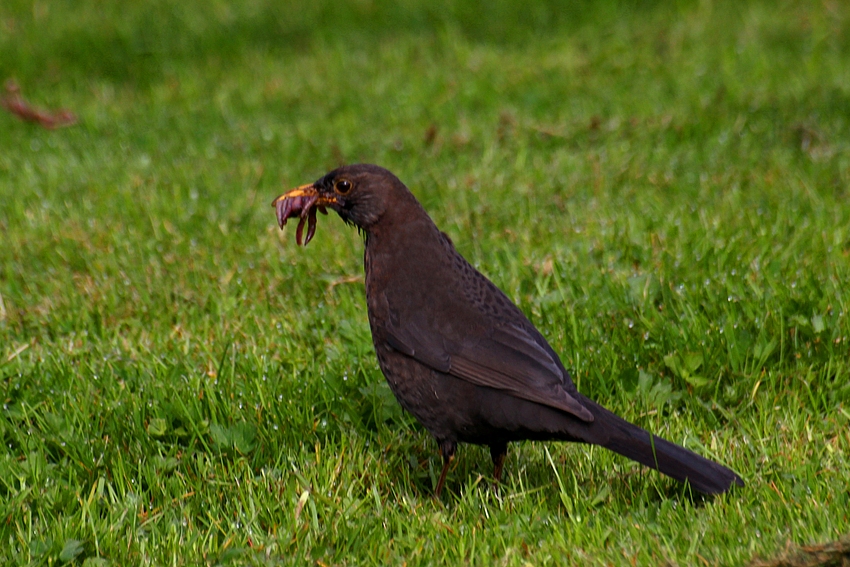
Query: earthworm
303	207
14	103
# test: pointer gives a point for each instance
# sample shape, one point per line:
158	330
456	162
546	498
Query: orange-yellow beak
306	192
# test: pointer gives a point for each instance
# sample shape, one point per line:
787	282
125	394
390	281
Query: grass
662	188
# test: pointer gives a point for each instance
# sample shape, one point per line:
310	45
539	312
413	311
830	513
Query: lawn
661	186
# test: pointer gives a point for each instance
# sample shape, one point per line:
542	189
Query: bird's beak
307	192
301	202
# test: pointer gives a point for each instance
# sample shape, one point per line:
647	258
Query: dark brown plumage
456	352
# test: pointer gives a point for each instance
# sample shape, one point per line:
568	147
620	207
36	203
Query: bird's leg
447	448
447	461
498	452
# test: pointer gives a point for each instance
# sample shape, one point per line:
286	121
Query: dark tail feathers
629	440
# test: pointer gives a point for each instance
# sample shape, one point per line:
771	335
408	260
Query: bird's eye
342	186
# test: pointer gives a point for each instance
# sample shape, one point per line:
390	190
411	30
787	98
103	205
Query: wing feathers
508	359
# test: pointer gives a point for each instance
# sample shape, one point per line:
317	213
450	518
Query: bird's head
360	194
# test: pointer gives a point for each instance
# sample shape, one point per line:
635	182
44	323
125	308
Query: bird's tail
615	433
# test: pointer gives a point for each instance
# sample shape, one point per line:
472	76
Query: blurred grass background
661	186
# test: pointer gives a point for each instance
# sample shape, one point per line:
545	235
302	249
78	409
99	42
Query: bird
457	353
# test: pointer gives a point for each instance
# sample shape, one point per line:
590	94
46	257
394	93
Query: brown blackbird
456	352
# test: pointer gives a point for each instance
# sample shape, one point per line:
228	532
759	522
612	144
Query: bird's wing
506	357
